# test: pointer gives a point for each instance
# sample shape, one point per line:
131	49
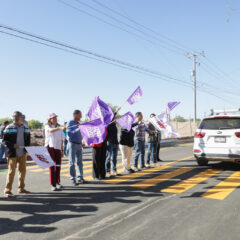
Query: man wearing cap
75	148
16	136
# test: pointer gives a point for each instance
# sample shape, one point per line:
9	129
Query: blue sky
38	80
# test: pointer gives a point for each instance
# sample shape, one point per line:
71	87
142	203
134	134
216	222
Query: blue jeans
3	152
152	152
75	153
112	152
139	151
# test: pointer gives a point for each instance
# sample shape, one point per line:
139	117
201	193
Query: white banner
40	156
162	123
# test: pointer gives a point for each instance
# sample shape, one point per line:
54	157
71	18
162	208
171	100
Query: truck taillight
237	134
199	134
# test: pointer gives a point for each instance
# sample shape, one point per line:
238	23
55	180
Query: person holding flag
126	148
140	129
152	144
99	158
126	140
95	134
54	138
112	146
75	145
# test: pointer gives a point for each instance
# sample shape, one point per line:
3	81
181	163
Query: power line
96	55
147	28
130	26
120	28
99	57
144	27
227	91
226	76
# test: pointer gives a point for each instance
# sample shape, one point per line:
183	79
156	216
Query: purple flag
136	96
94	132
126	121
100	109
172	105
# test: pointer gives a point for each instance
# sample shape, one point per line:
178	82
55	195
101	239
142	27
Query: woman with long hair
54	138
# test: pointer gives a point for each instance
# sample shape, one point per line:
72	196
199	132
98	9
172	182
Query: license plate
220	139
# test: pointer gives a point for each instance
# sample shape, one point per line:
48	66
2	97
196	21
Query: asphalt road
176	200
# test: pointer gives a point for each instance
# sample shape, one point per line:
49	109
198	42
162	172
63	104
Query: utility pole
194	56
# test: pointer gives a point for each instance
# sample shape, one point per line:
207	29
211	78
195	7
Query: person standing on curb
54	143
126	147
139	145
152	144
75	146
16	136
112	148
99	158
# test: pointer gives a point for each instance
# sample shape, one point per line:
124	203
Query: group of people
67	139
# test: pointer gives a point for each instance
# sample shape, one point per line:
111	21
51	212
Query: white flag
162	123
40	156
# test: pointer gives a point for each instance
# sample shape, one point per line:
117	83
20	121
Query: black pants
99	158
158	151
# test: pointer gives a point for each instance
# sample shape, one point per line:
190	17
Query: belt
75	143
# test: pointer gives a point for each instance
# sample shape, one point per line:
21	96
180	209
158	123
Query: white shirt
53	139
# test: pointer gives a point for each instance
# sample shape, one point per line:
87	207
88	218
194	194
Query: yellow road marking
182	159
191	182
135	175
144	172
85	166
63	166
88	171
161	178
224	188
89	177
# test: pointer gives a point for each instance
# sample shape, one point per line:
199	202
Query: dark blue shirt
112	133
73	133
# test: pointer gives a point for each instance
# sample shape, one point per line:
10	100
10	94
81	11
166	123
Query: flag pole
123	104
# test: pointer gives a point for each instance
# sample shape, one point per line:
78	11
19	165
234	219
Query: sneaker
81	181
96	179
115	173
129	171
135	169
108	174
147	166
159	160
53	188
154	165
23	191
59	186
9	194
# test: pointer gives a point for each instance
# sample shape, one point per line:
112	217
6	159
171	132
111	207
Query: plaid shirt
140	131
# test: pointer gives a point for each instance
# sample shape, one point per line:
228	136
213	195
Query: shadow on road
43	209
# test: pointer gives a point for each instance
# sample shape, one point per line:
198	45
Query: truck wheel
202	162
